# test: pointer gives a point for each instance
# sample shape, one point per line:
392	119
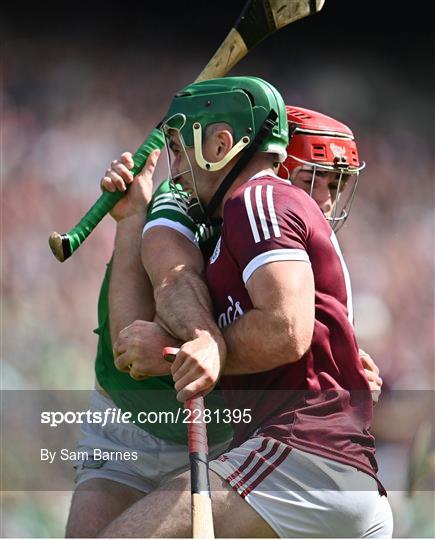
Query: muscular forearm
183	303
130	293
260	341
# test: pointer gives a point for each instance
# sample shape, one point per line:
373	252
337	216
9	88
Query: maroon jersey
322	403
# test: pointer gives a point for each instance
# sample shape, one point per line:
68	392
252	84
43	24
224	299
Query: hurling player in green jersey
152	446
130	394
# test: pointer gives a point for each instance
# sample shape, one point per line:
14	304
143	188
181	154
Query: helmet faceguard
320	143
184	200
246	104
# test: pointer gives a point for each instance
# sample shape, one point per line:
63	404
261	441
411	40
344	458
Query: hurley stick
202	517
258	20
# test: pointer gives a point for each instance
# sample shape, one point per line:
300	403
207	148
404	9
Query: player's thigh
233	517
166	513
163	513
95	503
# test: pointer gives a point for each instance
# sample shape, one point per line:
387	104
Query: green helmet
242	102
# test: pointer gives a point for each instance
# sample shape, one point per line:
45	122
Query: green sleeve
168	211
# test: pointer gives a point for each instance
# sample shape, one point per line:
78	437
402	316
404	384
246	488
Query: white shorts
303	495
157	460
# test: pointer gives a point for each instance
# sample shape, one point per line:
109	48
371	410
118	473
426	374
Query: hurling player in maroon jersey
323	161
302	459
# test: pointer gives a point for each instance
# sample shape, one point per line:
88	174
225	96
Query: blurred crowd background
82	83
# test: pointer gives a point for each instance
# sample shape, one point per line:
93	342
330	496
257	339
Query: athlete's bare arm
130	291
183	302
276	331
174	263
279	329
130	295
137	341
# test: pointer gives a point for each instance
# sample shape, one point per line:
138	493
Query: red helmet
322	143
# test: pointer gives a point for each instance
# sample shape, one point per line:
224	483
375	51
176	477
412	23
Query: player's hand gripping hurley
258	20
202	518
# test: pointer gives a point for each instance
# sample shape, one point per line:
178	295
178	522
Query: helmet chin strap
196	212
204	214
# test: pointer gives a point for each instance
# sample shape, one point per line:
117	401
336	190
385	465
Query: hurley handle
64	245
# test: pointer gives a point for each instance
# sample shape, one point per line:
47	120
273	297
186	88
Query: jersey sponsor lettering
232	313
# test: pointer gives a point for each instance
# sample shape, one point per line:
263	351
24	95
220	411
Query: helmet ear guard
218	165
241	164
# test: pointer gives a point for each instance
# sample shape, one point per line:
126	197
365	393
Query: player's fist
138	350
197	366
119	177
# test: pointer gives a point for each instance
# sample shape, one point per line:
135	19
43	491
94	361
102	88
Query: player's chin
191	197
185	185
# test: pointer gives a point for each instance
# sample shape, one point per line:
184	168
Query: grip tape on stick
197	429
64	245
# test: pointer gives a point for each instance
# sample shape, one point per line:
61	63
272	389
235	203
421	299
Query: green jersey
154	396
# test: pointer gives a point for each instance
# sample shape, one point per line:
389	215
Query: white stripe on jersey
163	196
259	203
175	225
174	207
260	211
168	198
346	275
251	216
205	231
271	207
274	255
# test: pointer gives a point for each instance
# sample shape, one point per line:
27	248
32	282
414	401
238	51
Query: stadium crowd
71	111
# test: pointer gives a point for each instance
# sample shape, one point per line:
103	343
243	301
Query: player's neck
260	162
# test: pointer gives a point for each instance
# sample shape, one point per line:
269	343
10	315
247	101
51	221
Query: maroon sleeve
266	221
